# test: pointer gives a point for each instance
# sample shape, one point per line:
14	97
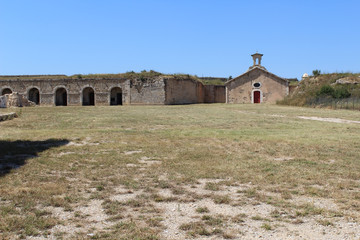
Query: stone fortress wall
111	91
256	85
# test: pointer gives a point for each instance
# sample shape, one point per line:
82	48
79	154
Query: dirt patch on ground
283	158
334	120
132	152
82	143
197	213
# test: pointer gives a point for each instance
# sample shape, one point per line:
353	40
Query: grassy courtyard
180	172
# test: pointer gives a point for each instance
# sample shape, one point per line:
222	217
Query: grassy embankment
323	91
143	75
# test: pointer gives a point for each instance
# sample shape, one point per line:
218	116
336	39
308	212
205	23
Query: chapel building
257	85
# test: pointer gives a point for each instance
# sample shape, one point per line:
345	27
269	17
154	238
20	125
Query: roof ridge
252	69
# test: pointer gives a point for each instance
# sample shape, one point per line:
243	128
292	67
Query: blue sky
202	37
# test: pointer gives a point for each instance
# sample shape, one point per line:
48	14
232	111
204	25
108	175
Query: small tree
230	77
316	72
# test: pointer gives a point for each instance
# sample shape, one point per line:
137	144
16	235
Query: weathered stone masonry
257	85
48	89
111	91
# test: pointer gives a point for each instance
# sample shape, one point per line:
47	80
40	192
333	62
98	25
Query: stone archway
6	91
34	95
88	96
116	96
61	97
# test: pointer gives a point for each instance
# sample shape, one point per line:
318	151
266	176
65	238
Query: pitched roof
253	69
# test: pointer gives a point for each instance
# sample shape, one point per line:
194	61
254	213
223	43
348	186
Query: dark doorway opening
88	98
34	96
116	96
6	91
257	97
61	97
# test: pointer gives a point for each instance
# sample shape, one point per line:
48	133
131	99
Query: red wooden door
256	96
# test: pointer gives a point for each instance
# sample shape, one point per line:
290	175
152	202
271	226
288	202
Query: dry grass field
180	172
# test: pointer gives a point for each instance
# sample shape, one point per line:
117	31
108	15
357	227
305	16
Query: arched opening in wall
61	97
116	96
34	95
257	96
6	91
88	97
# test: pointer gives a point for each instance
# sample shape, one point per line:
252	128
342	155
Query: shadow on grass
14	154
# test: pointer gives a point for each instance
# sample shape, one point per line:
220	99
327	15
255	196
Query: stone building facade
67	92
257	85
111	91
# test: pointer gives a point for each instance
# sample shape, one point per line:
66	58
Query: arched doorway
61	97
88	97
257	96
6	91
34	95
116	96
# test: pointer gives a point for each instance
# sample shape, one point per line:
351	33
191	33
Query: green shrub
316	72
341	92
329	91
326	90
